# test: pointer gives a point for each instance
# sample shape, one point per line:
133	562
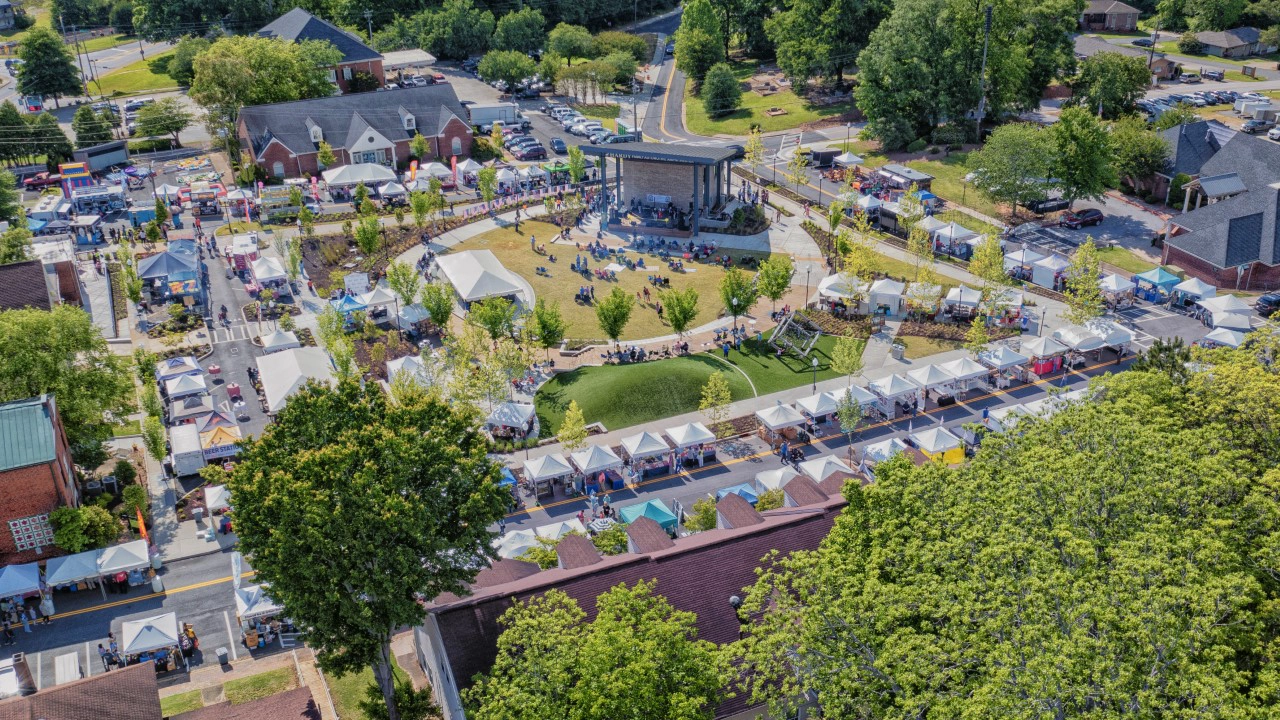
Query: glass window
278	169
456	146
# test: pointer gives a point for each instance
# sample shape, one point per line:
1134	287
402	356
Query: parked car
1144	42
1256	126
531	152
520	141
1047	205
42	180
1190	78
569	120
527	94
1218	75
624	138
1080	218
585	128
1268	305
1273	133
138	104
470	64
671	48
739	152
558	146
600	136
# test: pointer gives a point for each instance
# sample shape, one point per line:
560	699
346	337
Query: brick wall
373	67
443	146
25	492
1259	277
641	178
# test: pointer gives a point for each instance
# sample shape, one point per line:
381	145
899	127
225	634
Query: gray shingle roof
1244	228
1191	145
26	434
1230	38
298	25
431	106
1109	7
1217	186
692	154
22	285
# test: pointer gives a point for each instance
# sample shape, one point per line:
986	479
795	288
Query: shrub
954	147
770	500
135	499
952	134
84	528
917	145
125	472
702	515
934	150
1188	43
482	149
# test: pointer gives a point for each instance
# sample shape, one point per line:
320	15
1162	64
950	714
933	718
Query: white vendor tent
434	169
252	601
510	414
931	377
72	568
841	287
1002	358
1003	418
846	159
411	364
689	435
19	579
936	440
284	373
268	269
368	174
1223	336
893	387
167	191
1021	258
1232	321
860	395
952	233
644	445
965	371
1078	338
1045	269
869	202
411	315
176	367
930	224
883	450
217	497
820	469
505	175
1114	284
886	292
469	165
1196	288
923	294
1224	304
557	530
824	403
185	385
547	467
595	459
775	479
123	558
153	633
1042	347
516	543
964	296
280	340
477	275
379	296
779	417
391	189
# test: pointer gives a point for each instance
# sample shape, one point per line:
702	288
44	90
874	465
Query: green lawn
770	374
349	690
969	221
106	42
1124	259
1117	36
256	687
919	347
1171	47
752	110
128	427
136	77
623	395
180	703
42	19
1233	76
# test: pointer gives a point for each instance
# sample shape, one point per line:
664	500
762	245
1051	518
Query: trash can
157	584
197	514
898	351
222	656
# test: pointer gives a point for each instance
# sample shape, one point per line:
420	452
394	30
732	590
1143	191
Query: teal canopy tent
655	510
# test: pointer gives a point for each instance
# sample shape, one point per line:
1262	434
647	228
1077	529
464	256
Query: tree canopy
1082	158
90	127
166	116
1015	164
523	30
385	504
1121	554
47	67
1110	83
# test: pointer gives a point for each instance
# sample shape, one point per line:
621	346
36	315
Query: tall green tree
497	316
509	66
389	503
577	164
166	116
680	307
846	356
48	138
774	277
1137	152
523	30
15	245
1180	114
61	352
90	128
182	65
1083	290
15	141
738	292
822	37
714	403
611	41
696	53
404	282
437	300
548	324
570	41
457	30
613	312
487	184
1083	155
153	438
10	196
47	68
572	432
1015	165
1110	84
1215	14
639	657
721	92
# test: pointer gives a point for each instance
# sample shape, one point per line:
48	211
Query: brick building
36	476
284	138
298	25
1109	15
1229	231
698	573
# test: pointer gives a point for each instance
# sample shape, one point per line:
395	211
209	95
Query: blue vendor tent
747	492
655	510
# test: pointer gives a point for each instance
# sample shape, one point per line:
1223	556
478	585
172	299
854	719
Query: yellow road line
812	441
174	591
662	119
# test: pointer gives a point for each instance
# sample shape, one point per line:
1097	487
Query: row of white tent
597	458
517	542
888	292
1003	418
88	565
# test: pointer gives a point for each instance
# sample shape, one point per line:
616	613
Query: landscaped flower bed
951	331
119	299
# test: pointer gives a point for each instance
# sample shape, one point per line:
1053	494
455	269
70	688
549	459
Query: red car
42	180
1080	218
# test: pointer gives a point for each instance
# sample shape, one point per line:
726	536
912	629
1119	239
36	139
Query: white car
568	121
1274	134
585	128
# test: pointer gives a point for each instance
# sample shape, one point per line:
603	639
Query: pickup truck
42	180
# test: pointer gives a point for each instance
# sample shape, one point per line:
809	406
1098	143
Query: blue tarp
655	510
508	478
925	196
747	492
36	225
1159	277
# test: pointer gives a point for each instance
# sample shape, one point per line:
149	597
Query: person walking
46	608
9	638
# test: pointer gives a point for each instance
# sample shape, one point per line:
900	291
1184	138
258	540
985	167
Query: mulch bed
378	371
951	331
321	263
858	326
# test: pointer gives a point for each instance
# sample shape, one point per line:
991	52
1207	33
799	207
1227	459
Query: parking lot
1151	322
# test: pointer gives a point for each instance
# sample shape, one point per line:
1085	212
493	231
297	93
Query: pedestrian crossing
235	333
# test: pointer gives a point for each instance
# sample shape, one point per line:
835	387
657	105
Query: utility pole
1155	38
79	59
368	18
982	101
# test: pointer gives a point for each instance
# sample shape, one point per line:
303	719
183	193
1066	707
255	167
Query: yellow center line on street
812	441
174	591
662	119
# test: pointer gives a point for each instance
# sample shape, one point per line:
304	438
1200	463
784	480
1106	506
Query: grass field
180	703
1124	259
752	110
562	285
349	690
969	221
919	347
769	373
105	42
1171	47
136	77
128	427
256	687
42	19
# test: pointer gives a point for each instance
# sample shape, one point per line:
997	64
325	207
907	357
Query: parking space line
231	639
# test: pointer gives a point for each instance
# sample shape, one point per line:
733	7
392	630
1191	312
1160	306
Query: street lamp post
734	302
807	270
814	362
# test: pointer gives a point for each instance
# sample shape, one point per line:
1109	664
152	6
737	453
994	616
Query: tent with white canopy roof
506	175
886	293
1232	321
820	469
510	414
1043	347
557	530
964	296
547	467
820	405
595	459
939	443
644	445
847	159
19	579
689	435
842	287
391	189
966	371
516	543
72	569
1114	284
1196	289
883	450
867	203
123	558
175	367
930	224
1002	358
358	174
1225	336
1044	270
153	633
279	340
252	601
469	166
217	497
1079	338
434	169
1224	304
775	479
1021	258
378	296
168	191
953	233
268	269
894	388
780	417
932	377
185	385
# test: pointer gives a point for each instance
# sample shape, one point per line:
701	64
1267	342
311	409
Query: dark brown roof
698	574
68	281
804	491
505	571
130	693
294	704
22	286
833	486
736	512
576	551
648	536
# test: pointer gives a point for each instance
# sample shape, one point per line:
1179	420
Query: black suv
1040	207
1268	304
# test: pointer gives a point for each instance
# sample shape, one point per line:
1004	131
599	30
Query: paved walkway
98	292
